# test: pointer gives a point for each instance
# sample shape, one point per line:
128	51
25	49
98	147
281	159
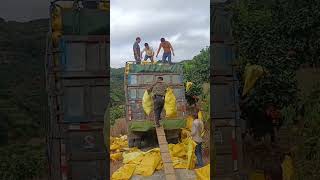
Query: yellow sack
116	156
149	163
147	102
178	150
132	157
251	75
170	105
258	175
124	173
185	133
189	123
203	173
287	169
56	19
188	86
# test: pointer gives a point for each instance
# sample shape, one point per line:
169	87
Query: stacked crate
225	113
77	75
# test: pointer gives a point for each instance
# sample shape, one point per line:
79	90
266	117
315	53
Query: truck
137	78
77	84
225	113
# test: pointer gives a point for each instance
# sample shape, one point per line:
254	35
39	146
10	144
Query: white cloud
184	23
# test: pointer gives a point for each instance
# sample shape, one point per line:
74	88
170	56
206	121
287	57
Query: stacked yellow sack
147	102
203	173
170	105
118	144
139	163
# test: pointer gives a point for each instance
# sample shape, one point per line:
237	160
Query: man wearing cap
136	50
158	89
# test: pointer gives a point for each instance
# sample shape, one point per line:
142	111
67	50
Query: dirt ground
120	127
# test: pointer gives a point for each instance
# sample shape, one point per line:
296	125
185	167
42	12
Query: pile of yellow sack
137	162
117	146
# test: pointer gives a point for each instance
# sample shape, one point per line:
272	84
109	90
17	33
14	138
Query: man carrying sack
158	89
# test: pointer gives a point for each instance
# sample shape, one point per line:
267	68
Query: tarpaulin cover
144	126
173	68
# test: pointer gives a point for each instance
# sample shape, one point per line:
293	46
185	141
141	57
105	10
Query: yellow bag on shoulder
147	103
170	105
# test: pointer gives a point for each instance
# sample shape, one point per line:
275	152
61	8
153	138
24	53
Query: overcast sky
185	23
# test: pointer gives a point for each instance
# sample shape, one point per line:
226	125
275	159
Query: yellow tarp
203	173
251	75
124	173
287	169
170	105
147	102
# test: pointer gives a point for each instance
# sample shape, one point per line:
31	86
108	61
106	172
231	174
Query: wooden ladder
165	154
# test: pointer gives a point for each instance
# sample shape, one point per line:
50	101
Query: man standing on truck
167	48
149	52
158	89
136	50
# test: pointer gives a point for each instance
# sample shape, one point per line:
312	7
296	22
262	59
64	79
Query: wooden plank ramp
165	154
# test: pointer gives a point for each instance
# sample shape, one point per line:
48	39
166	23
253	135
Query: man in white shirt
149	52
197	127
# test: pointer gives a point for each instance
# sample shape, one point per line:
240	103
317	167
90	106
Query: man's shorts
148	57
165	56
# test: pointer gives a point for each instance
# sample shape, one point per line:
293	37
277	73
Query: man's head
195	115
162	40
160	79
138	39
146	45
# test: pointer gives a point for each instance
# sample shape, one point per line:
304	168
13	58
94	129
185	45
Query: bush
22	162
116	112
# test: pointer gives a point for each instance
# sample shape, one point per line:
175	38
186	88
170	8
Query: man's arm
142	52
158	50
193	129
171	48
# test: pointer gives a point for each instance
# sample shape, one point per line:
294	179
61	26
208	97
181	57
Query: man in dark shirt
136	50
159	90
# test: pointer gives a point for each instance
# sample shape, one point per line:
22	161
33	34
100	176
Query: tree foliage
197	71
275	35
